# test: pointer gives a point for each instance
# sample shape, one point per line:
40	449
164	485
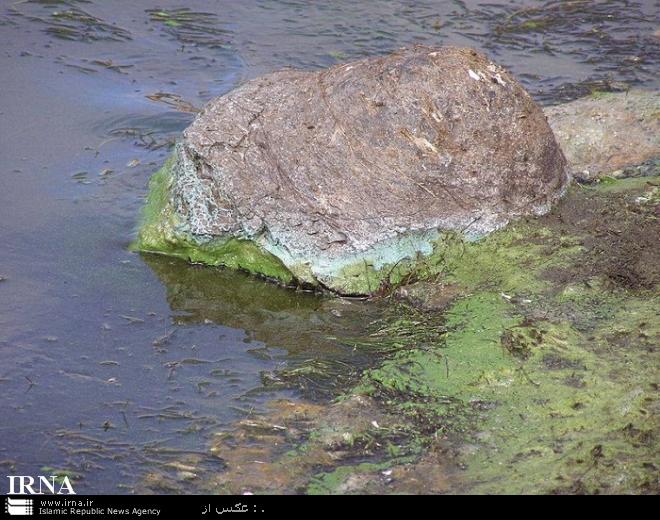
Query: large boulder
349	178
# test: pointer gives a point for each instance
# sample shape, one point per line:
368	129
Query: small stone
186	475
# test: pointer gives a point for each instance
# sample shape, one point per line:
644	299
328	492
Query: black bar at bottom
142	507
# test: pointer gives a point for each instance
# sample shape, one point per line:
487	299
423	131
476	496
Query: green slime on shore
539	377
543	385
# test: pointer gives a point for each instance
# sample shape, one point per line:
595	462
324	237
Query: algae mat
536	373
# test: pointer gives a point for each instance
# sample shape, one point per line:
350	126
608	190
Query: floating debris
110	65
81	177
131	319
604	36
164	339
109	363
174	101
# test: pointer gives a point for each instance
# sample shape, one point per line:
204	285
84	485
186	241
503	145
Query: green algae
234	254
161	232
453	257
61	474
600	94
566	424
363	278
539	377
551	383
614	185
190	27
158	216
339	480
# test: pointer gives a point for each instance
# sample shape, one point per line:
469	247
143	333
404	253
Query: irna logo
53	485
19	506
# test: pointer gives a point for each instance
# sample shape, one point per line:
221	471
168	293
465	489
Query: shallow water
111	362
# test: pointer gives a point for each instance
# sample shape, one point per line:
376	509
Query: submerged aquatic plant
65	20
190	27
78	25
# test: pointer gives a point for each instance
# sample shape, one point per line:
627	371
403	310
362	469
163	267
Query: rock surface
607	132
347	178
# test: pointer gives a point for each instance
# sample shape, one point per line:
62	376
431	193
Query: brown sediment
619	231
280	451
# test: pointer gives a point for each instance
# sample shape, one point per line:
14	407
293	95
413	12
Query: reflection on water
317	333
111	363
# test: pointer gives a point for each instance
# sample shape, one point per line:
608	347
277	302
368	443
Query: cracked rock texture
349	176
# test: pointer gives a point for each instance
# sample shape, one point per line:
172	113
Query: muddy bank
535	374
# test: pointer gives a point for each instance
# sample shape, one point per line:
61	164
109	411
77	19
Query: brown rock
349	175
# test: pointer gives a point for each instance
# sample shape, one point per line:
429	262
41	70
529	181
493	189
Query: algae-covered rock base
348	178
527	365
